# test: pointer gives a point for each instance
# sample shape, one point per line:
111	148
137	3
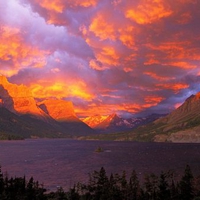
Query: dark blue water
61	162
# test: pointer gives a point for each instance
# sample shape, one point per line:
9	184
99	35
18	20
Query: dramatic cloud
128	57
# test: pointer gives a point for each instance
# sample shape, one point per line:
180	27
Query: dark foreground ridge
103	187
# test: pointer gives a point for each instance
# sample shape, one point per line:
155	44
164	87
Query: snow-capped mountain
114	123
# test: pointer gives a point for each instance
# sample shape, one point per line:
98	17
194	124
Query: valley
22	116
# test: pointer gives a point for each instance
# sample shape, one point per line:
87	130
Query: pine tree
123	185
186	185
150	184
164	192
134	187
1	184
114	188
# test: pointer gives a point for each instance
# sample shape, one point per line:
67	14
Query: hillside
181	125
24	126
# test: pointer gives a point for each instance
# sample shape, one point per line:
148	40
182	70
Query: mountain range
181	125
113	123
22	116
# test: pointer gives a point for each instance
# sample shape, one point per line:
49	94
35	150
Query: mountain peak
18	99
183	122
193	97
59	110
113	115
93	121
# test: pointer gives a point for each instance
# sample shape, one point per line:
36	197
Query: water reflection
61	162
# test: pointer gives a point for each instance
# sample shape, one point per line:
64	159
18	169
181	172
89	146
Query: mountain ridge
113	123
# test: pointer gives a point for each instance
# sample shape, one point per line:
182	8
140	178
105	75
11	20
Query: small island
99	149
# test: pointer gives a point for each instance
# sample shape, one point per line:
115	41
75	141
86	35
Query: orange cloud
105	109
94	64
152	101
136	107
128	69
169	46
178	50
108	55
126	35
151	59
148	11
18	53
91	110
102	28
85	3
130	107
60	90
56	5
183	65
176	87
59	5
105	27
160	78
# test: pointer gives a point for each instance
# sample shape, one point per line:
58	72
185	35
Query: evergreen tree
123	185
73	194
164	191
1	184
197	186
134	187
114	188
150	184
186	185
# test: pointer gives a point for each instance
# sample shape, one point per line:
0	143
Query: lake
63	162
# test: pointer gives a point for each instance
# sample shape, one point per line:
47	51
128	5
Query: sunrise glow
125	57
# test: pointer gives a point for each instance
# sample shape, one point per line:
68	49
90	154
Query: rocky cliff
22	116
63	112
60	110
18	99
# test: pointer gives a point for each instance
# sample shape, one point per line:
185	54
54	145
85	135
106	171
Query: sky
130	57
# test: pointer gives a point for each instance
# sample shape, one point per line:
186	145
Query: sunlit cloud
56	6
16	54
60	90
108	55
105	56
160	78
94	64
183	65
148	11
176	87
152	100
102	29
